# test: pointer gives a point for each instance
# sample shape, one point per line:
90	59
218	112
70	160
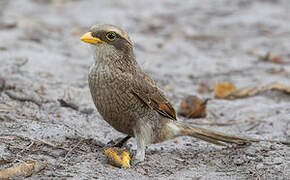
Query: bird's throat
109	56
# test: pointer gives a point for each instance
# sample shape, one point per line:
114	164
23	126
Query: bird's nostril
94	34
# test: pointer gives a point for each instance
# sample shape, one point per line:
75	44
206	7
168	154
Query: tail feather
207	139
214	137
177	129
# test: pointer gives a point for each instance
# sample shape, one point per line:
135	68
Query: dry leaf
223	90
118	157
193	107
270	57
3	160
25	169
252	91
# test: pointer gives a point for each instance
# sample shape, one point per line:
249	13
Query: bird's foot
139	158
136	161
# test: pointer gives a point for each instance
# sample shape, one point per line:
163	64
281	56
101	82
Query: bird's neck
127	62
115	59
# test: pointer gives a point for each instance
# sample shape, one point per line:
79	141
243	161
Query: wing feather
148	92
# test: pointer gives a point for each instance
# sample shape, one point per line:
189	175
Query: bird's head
109	41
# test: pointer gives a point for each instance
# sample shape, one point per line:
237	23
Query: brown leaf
270	57
193	107
25	169
278	87
252	91
223	90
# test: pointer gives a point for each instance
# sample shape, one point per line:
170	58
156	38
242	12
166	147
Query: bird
130	101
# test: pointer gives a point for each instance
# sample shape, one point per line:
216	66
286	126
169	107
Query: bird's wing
147	91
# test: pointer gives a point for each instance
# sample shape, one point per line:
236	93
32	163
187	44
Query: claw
120	143
136	162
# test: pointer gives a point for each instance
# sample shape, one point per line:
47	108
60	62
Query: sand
180	44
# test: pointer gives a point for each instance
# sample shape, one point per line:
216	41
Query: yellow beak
88	38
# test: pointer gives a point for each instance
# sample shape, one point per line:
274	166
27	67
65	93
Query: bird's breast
112	97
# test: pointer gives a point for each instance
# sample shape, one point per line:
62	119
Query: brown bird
130	101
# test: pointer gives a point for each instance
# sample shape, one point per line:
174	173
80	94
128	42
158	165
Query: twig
7	117
7	138
71	105
38	140
72	149
22	98
49	144
213	114
254	126
5	110
28	147
22	62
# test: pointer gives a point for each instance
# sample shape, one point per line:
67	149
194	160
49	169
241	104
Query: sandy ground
182	45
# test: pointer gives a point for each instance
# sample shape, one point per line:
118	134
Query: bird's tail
218	138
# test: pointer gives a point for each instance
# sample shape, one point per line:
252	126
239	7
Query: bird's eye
111	36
